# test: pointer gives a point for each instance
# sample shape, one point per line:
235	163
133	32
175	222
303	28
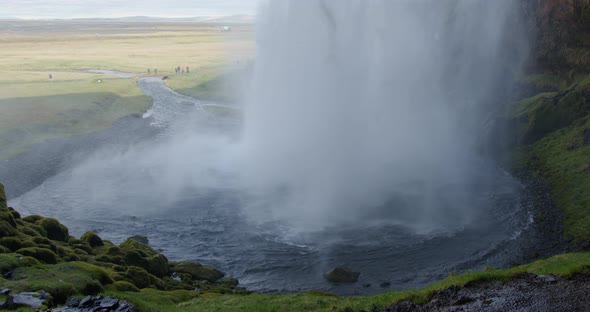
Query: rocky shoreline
526	292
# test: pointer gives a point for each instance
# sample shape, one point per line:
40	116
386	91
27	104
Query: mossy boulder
92	239
197	271
143	256
55	230
30	231
230	282
41	254
342	275
140	239
138	276
33	218
6	229
14	213
12	243
114	251
8	217
125	286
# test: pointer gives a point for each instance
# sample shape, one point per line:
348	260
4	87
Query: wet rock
586	136
25	299
140	239
4	291
342	275
73	302
463	300
108	302
96	303
548	279
385	285
367	285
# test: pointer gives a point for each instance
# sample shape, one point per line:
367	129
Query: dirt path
527	293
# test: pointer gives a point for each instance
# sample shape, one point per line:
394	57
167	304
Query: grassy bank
554	129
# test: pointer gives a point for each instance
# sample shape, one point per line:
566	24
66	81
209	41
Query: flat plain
36	107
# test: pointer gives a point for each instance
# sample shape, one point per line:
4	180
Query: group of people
182	70
177	70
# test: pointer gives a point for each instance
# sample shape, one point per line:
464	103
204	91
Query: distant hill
202	19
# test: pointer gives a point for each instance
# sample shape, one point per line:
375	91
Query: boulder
55	230
92	239
140	239
197	271
342	275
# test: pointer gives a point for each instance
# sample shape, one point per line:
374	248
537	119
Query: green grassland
35	108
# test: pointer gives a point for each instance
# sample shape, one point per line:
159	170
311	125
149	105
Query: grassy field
35	108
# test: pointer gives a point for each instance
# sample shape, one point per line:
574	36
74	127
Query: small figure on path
188	70
149	71
50	76
155	71
182	71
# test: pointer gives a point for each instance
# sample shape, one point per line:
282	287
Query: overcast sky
121	8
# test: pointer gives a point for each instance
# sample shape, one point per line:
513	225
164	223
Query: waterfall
373	110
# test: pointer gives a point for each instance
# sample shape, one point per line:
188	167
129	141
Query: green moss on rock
8	217
41	254
197	271
32	219
125	286
12	243
6	229
92	239
55	230
140	239
138	276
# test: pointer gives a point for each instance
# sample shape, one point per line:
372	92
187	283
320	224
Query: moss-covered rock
140	239
125	286
29	244
32	219
229	282
12	243
114	251
6	229
138	276
30	231
41	254
173	284
92	239
342	275
8	217
14	213
197	271
143	256
55	230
